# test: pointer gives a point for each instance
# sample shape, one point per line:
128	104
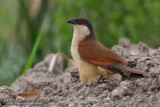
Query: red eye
79	22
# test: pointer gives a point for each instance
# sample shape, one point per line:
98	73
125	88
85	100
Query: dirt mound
57	89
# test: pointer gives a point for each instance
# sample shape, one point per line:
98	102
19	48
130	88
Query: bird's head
81	25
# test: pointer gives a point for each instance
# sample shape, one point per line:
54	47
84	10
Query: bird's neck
80	33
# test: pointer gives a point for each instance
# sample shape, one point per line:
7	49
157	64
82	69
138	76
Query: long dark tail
123	68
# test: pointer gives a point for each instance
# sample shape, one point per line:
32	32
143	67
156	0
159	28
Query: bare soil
57	88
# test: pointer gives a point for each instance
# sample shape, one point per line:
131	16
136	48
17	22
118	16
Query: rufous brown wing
94	52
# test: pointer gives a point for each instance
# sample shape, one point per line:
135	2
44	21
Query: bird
94	60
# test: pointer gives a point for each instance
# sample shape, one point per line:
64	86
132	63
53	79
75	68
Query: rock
6	95
124	42
117	94
57	88
154	71
121	51
143	47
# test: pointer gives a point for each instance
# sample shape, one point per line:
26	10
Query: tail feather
123	68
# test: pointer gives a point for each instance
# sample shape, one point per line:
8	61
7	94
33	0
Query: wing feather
94	52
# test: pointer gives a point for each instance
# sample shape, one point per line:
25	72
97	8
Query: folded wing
94	52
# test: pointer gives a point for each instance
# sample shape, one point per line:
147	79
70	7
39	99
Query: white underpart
80	32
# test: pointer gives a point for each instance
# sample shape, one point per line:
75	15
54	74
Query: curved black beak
72	21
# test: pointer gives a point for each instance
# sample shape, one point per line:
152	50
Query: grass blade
33	52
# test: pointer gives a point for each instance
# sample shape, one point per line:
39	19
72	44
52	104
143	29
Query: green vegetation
33	53
21	20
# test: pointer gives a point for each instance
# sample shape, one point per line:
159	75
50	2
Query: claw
93	84
79	87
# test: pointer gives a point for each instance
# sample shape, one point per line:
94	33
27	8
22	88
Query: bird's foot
79	87
92	84
97	82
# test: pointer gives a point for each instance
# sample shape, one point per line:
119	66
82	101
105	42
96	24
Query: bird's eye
80	22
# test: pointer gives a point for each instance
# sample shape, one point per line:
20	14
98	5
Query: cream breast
80	32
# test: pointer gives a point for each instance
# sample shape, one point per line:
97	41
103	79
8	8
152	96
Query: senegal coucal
91	57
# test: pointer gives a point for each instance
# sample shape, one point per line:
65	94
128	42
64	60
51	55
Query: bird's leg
79	87
93	84
97	82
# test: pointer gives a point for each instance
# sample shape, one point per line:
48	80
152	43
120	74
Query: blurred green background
21	20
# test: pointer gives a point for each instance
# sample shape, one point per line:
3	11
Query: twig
54	58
